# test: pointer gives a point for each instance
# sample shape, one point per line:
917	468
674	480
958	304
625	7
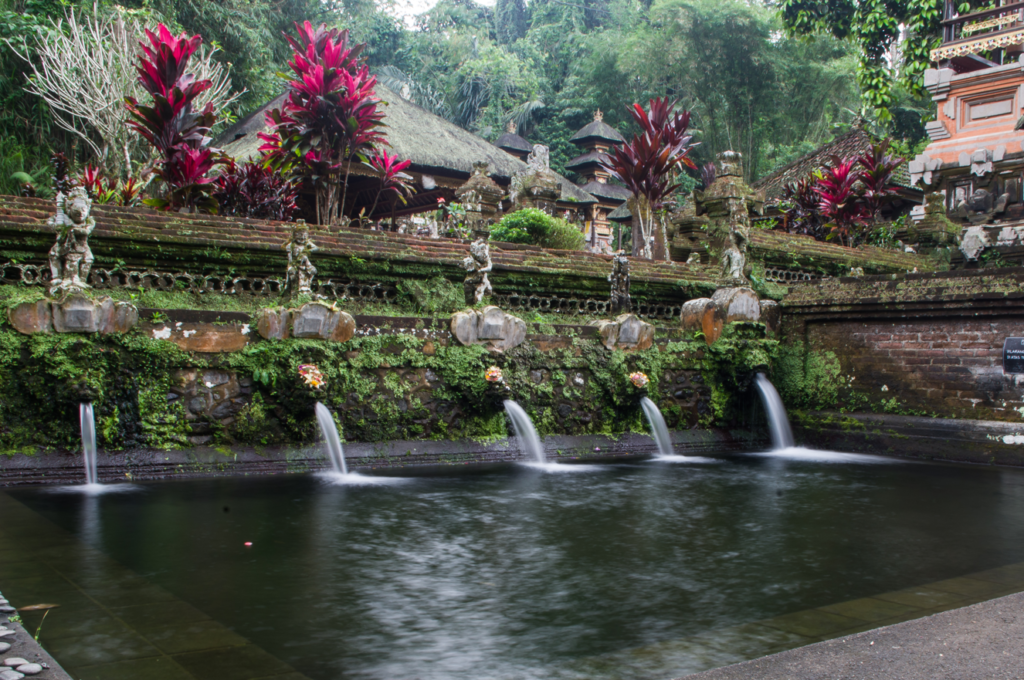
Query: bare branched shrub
84	67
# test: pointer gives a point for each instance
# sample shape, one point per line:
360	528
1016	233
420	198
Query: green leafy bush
536	227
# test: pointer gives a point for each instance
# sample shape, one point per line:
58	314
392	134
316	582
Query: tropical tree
83	67
172	125
647	166
894	39
330	116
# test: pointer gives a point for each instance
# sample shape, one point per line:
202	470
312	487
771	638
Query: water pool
642	570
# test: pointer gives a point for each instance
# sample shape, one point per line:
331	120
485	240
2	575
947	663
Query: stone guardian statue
620	301
70	257
300	270
477	285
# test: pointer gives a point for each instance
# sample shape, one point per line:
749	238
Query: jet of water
659	431
88	424
526	433
331	439
778	423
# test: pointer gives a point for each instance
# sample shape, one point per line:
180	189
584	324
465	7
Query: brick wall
951	366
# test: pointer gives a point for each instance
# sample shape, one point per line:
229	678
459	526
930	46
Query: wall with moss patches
913	345
399	379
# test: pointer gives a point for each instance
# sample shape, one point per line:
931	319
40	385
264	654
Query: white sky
407	9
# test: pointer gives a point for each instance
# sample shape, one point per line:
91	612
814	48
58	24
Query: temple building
972	168
596	139
443	157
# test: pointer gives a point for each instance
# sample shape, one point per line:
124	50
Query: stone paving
111	623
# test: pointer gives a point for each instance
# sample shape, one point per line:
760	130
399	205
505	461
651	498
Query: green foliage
807	379
536	227
251	423
434	297
876	27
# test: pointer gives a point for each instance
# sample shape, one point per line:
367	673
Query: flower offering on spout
494	375
312	376
639	380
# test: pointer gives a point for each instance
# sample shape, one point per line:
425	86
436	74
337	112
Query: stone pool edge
409	457
983	442
23	645
918	649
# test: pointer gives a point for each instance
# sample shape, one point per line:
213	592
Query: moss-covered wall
387	383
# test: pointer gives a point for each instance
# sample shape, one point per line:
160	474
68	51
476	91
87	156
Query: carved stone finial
482	168
70	257
730	164
511	127
598	115
477	285
300	270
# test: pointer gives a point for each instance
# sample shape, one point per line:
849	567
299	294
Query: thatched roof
433	144
597	130
611	193
853	143
621	214
510	141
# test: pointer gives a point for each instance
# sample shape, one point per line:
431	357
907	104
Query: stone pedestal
77	313
313	320
728	305
489	326
626	332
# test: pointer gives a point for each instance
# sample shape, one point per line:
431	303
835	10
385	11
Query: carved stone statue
620	301
70	257
300	270
734	256
481	198
477	285
539	158
982	206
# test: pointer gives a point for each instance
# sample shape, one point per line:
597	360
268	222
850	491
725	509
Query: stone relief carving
70	257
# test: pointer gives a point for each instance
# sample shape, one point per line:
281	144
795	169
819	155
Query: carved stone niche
75	314
489	326
627	332
312	320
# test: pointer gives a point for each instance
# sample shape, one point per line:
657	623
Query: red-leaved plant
256	190
843	198
392	179
179	134
108	190
330	116
647	165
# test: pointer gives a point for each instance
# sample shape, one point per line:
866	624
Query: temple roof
609	192
621	214
510	141
597	130
434	145
590	159
853	143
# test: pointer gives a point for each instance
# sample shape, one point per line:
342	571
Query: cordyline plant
329	118
842	199
648	166
108	190
256	190
392	179
179	134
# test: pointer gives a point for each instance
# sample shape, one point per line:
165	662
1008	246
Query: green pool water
644	570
